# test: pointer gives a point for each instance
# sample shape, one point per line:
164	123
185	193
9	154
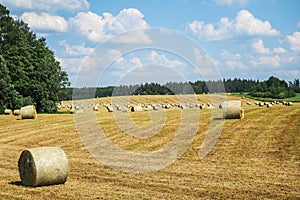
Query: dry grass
256	157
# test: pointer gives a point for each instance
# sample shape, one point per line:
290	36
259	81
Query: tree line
271	88
29	73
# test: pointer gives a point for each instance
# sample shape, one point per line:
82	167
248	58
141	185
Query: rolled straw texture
28	112
17	112
233	110
8	111
43	166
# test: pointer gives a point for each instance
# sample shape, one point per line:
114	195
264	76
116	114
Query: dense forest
29	73
271	88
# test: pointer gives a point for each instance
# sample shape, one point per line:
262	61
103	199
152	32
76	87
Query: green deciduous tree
9	97
33	72
272	88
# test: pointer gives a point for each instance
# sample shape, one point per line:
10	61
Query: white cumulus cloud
98	28
235	65
230	61
232	2
294	41
70	64
244	24
266	61
161	59
259	47
49	5
45	22
228	56
76	50
279	50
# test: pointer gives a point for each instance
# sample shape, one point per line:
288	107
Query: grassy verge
245	94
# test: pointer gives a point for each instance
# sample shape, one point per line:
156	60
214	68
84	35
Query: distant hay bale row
26	112
271	104
110	107
287	103
232	110
43	166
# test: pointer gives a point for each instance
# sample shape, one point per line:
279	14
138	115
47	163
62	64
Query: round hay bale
269	105
17	112
136	108
119	108
233	110
28	112
109	108
95	108
72	110
8	111
155	107
191	105
43	166
202	106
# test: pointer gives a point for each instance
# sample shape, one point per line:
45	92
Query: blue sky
251	39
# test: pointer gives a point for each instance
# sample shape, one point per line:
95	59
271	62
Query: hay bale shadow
17	183
219	118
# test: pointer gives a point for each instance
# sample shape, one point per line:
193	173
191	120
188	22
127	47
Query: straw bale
28	112
43	166
233	110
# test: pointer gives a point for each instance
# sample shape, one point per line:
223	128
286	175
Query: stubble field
255	157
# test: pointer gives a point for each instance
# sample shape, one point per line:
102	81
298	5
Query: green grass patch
245	94
294	99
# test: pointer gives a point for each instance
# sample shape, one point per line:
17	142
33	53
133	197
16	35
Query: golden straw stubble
43	166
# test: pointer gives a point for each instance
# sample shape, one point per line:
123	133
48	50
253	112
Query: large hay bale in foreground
8	111
43	166
233	110
28	112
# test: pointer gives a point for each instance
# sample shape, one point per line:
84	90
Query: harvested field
255	157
